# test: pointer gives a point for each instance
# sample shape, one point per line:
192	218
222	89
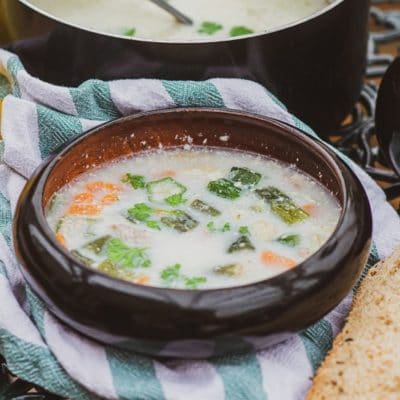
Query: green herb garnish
212	228
175	200
244	230
243	243
97	246
209	28
153	225
136	181
224	188
140	212
130	32
240	31
282	205
289	240
172	276
205	208
180	221
244	176
128	257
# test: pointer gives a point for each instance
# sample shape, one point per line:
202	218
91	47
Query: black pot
315	66
184	323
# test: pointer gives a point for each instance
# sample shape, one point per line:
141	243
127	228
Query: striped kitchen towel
36	118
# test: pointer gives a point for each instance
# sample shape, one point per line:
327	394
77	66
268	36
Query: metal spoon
182	18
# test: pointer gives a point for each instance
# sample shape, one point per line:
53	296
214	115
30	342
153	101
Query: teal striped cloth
36	118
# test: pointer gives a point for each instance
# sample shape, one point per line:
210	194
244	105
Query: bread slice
364	363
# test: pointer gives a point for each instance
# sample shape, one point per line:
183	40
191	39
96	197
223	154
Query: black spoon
387	118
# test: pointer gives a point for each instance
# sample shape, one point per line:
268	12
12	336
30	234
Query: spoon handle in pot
182	18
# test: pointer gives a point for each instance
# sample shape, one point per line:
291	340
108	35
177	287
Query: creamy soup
141	18
193	218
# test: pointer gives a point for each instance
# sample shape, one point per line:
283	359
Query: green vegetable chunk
109	268
83	259
224	188
97	246
136	181
240	30
180	221
282	205
165	189
229	270
128	257
130	32
246	177
195	282
289	240
243	243
139	213
175	200
205	208
209	28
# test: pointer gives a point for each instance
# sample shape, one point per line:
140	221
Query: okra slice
180	221
282	205
109	268
98	245
159	191
289	240
83	259
205	208
245	176
243	243
224	188
229	269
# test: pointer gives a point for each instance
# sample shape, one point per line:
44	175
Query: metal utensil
182	18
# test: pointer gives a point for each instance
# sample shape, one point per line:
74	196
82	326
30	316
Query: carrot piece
167	173
310	208
100	185
142	280
109	198
61	239
84	197
269	257
84	209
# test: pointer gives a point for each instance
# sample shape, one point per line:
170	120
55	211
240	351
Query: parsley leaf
289	240
122	255
171	274
130	32
209	28
140	212
244	230
137	181
175	200
240	30
193	283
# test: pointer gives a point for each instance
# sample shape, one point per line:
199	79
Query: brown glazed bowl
198	323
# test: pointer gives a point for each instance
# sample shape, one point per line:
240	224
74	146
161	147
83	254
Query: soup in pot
143	19
193	219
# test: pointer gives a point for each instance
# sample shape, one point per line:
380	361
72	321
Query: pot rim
36	191
279	28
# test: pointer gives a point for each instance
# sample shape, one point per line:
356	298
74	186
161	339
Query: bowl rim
44	170
277	29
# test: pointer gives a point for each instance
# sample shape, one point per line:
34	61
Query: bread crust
364	362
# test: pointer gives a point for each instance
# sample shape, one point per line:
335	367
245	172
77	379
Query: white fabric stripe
11	185
56	97
84	360
194	380
4	57
89	124
19	127
132	96
286	370
13	319
249	96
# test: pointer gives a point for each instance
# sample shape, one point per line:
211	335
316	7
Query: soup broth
141	18
191	219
